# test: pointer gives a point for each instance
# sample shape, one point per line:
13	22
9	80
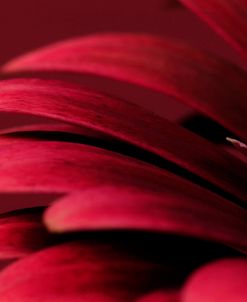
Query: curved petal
124	208
21	233
57	132
83	272
227	17
211	85
76	167
130	124
225	281
31	130
40	167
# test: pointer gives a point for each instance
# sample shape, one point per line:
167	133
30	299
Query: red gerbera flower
138	202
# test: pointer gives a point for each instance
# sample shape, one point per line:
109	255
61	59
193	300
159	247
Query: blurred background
29	24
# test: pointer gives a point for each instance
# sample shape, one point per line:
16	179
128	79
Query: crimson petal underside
128	123
22	232
209	84
118	207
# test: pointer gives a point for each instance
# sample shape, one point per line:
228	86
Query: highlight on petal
161	140
239	145
181	211
223	280
61	132
227	17
211	85
44	128
22	232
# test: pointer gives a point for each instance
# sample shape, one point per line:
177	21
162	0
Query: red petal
82	272
41	167
227	17
62	167
34	130
213	86
21	233
223	280
182	211
128	123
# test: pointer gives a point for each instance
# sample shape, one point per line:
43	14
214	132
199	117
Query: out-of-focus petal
83	272
131	124
161	296
22	232
213	86
224	280
124	208
227	17
42	167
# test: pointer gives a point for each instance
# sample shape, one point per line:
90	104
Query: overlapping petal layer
63	167
130	124
21	233
213	86
178	211
83	272
80	167
117	164
106	268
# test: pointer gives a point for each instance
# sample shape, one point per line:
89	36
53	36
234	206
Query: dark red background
30	24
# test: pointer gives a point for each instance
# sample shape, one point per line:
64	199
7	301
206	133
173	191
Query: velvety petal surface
224	280
227	17
125	208
80	167
83	272
213	86
22	232
106	267
76	167
127	123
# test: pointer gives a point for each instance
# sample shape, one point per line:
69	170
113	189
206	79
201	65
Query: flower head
138	202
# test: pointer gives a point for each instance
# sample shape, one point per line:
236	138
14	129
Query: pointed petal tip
238	145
